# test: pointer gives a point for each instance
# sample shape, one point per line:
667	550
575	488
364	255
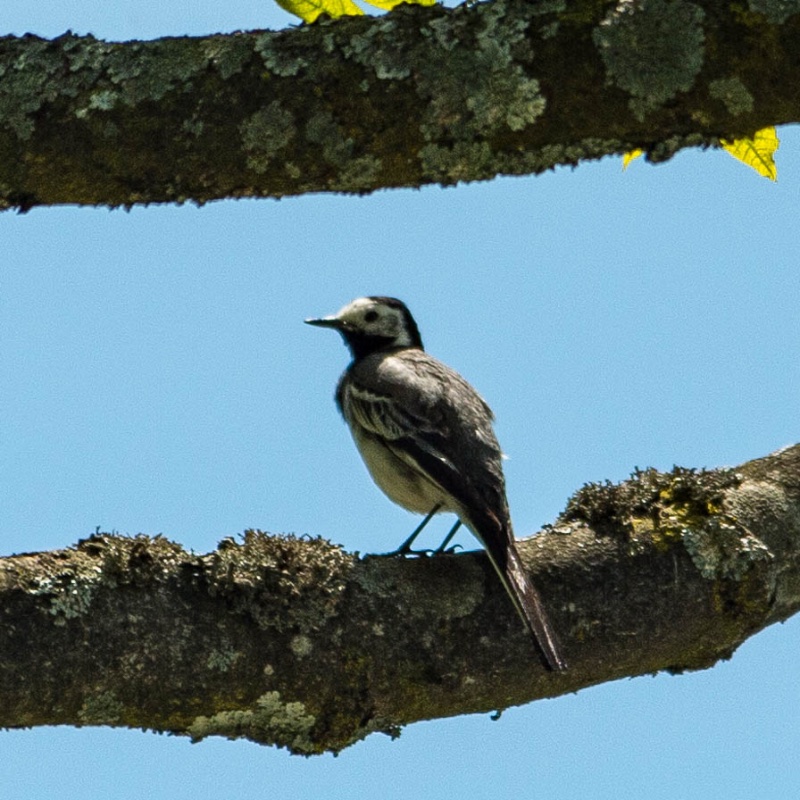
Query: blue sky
155	376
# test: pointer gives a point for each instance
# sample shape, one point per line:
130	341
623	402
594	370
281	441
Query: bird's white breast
397	478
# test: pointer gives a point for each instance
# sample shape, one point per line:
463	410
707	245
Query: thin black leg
442	547
405	548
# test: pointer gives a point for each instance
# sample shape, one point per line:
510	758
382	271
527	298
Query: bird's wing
410	434
380	413
407	401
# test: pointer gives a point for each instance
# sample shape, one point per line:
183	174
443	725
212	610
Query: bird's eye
370	316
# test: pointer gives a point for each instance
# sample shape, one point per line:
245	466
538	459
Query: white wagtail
426	437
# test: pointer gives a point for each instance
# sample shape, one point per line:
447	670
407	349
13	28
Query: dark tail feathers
530	608
506	561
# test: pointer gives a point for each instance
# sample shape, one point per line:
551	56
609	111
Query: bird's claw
404	552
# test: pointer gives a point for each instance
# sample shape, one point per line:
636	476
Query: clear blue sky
155	376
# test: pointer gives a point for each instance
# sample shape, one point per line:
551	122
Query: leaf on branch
758	152
628	157
310	10
388	5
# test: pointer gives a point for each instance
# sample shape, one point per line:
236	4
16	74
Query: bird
427	439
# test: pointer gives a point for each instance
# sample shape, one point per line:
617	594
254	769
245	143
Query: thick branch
293	642
420	96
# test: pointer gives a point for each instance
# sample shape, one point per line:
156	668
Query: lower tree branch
295	643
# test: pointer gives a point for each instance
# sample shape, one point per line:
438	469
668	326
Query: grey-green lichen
322	129
282	582
440	31
378	49
26	84
466	103
476	160
550	155
764	501
228	54
102	561
776	11
722	549
301	646
478	88
279	60
733	93
549	30
271	721
193	127
390	61
265	133
69	591
667	148
359	172
516	104
546	7
425	589
687	506
108	75
149	70
102	708
684	506
770	504
462	161
221	660
652	49
102	100
337	149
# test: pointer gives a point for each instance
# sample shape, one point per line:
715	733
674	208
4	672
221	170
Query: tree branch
420	96
293	642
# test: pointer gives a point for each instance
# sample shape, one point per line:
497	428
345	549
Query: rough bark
420	96
296	643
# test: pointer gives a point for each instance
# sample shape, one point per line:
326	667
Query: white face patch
373	318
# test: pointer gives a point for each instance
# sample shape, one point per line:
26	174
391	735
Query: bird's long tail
508	565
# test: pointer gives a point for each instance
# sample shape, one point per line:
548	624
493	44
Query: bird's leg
442	547
405	548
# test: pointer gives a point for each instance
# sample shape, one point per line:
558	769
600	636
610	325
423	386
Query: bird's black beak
325	322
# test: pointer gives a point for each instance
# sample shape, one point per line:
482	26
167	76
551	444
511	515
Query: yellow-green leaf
388	5
309	10
757	152
628	157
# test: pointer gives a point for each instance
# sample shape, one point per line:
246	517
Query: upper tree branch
294	642
422	95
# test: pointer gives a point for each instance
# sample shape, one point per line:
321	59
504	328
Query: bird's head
370	324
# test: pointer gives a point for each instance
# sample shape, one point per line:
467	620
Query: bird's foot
446	551
405	552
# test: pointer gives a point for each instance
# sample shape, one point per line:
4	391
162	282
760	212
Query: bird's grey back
447	411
